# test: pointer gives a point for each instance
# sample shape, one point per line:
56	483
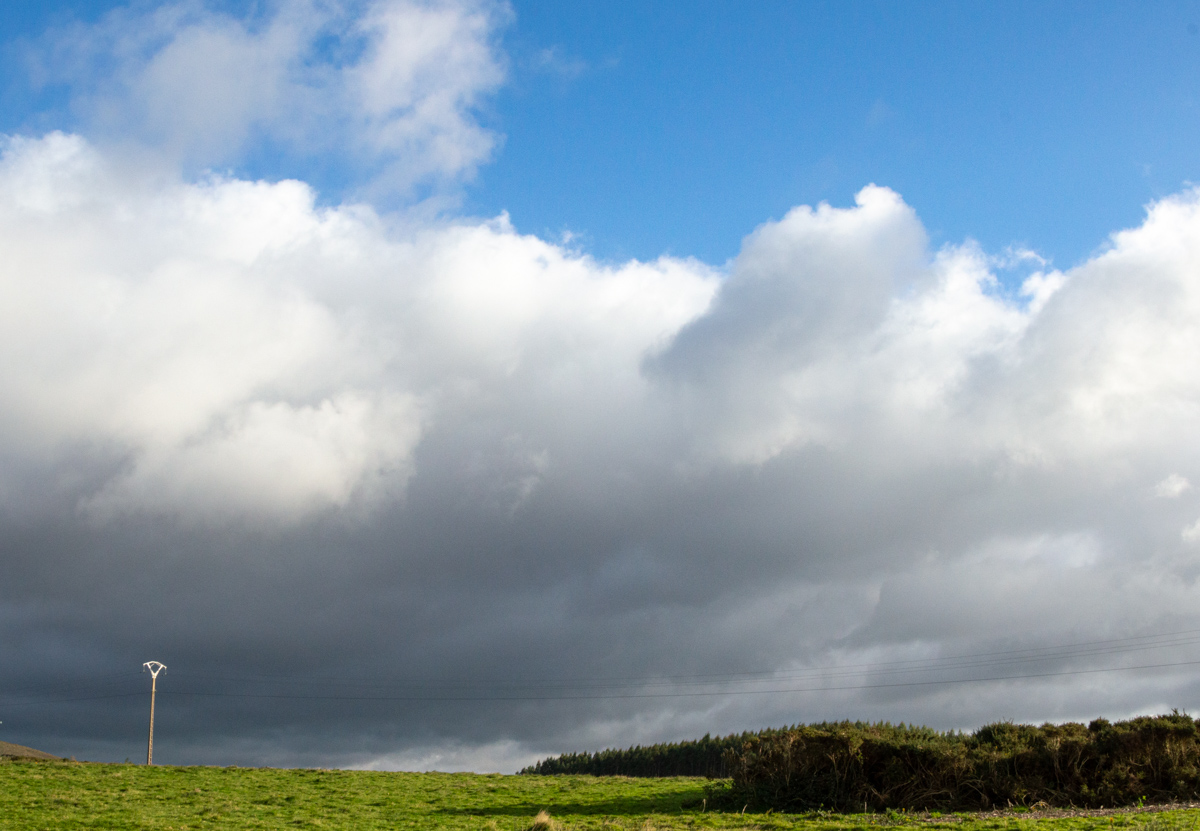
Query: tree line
858	766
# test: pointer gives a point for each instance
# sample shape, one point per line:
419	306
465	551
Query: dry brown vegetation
16	751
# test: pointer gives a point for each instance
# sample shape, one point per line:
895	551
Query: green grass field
53	795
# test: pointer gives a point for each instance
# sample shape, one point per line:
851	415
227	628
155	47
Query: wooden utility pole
155	668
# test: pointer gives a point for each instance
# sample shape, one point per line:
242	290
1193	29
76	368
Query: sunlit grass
46	795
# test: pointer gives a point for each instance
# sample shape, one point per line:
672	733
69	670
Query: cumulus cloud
226	346
832	316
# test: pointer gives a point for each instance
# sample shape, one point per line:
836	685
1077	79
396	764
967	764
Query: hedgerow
855	766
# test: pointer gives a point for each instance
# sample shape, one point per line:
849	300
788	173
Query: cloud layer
464	496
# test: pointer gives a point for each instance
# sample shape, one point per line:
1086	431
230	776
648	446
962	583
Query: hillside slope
16	751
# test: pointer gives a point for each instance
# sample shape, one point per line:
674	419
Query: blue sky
679	127
1044	124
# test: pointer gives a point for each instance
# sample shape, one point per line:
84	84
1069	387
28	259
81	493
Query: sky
446	384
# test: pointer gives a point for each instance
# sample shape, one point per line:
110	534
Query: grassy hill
69	795
17	751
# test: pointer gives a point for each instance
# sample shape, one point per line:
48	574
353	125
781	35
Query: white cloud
835	322
554	61
389	86
199	340
277	459
234	350
1039	287
494	757
1192	532
1172	487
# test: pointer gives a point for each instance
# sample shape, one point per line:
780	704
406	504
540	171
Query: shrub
855	766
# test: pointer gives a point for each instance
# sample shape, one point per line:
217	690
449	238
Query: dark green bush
855	766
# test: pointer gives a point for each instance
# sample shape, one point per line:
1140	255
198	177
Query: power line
591	688
71	700
689	694
830	671
59	685
692	694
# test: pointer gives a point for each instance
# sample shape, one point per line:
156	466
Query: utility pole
155	668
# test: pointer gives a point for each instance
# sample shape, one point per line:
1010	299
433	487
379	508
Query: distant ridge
16	751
